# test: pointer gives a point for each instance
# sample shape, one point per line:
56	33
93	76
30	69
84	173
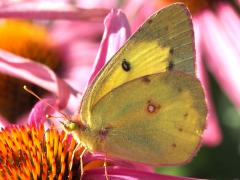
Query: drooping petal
230	21
116	32
78	49
212	135
222	53
97	3
37	74
50	10
37	116
138	11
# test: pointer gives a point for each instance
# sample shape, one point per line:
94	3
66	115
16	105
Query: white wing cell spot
152	107
126	65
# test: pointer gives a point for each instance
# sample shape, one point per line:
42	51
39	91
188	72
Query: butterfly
146	105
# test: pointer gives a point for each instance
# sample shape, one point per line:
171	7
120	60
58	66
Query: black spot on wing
171	63
146	79
179	89
180	129
126	65
150	21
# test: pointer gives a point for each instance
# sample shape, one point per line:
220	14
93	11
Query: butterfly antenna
47	116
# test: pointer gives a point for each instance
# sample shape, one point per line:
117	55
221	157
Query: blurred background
217	37
217	29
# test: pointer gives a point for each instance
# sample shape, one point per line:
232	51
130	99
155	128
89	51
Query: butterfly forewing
163	43
145	105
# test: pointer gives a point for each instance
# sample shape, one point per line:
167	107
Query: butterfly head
71	125
80	132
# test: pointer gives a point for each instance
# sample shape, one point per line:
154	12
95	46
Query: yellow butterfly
145	105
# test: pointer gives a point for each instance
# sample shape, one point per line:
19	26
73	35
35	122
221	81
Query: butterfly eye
126	65
72	126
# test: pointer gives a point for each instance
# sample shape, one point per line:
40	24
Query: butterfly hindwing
156	119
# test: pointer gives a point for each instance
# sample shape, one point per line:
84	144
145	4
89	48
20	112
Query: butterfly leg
105	167
73	153
81	161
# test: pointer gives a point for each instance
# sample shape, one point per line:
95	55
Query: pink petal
50	10
78	76
127	174
116	32
138	11
231	23
77	31
117	162
78	48
217	33
222	54
38	113
212	135
37	74
97	3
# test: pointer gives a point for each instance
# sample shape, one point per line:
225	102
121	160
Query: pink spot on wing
152	107
174	145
